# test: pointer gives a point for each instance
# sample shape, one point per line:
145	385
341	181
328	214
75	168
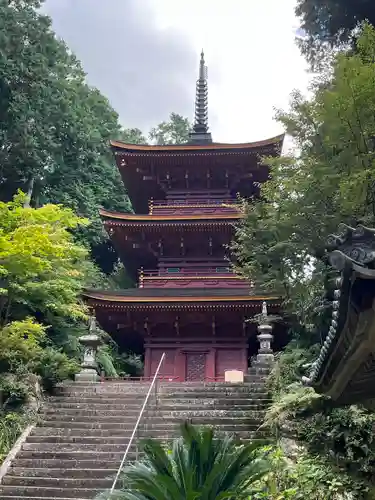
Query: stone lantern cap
90	340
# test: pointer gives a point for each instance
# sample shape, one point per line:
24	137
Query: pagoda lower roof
196	149
119	217
178	297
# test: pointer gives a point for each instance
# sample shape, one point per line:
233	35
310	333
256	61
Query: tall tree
43	271
330	181
54	128
330	23
174	131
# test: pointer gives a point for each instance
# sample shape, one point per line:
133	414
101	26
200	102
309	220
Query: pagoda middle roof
177	294
215	147
168	219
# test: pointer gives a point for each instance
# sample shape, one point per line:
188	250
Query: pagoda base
192	361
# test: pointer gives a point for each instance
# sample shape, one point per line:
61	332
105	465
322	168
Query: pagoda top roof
215	147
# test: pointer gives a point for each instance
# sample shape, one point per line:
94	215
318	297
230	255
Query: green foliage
348	447
42	272
298	401
174	131
330	181
41	267
118	364
20	344
104	358
290	366
11	427
331	24
199	466
54	366
306	478
15	388
119	278
54	128
348	439
128	363
132	136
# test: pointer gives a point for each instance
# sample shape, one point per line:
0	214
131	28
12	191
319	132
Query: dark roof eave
144	294
191	149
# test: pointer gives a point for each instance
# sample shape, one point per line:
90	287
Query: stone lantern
265	336
90	343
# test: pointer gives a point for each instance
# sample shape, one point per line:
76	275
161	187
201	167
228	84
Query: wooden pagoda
188	302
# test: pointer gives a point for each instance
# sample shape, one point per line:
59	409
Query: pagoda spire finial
200	133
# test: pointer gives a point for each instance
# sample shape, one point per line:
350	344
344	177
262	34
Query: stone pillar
265	337
90	343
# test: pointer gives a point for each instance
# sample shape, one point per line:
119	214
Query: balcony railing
173	272
194	202
191	277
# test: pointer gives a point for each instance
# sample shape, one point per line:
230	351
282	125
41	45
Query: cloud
146	71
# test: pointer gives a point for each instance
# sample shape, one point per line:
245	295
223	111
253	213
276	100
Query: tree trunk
30	189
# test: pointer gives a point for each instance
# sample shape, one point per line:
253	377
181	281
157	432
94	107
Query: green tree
42	269
199	466
329	181
174	131
281	241
132	136
331	23
54	128
40	266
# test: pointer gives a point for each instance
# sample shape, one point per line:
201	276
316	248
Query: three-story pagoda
188	302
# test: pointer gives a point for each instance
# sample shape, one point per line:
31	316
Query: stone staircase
77	446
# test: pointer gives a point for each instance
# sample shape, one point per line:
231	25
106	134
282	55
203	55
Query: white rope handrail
136	426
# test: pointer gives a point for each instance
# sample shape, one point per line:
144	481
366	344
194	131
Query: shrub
54	366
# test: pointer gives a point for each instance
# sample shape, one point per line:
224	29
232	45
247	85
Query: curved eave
118	299
150	150
110	216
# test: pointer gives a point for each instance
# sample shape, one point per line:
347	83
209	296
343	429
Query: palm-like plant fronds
199	467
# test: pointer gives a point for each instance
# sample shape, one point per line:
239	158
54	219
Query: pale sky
144	56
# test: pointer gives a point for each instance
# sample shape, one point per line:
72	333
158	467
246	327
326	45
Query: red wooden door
195	366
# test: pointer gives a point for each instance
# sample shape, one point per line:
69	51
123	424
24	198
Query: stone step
173	414
77	464
96	440
12	497
252	395
120	427
34	492
175	403
124	439
58	482
230	413
151	426
107	445
197	392
77	456
75	402
145	385
137	388
73	447
63	472
253	391
109	412
110	423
